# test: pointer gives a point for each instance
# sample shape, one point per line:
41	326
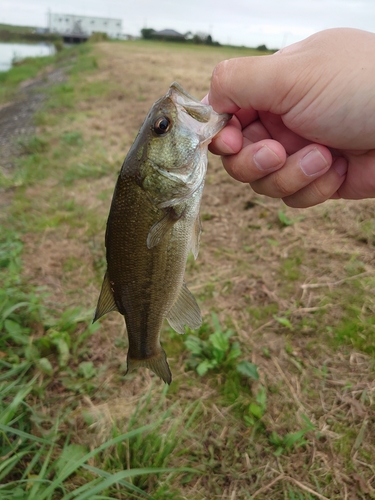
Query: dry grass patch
295	286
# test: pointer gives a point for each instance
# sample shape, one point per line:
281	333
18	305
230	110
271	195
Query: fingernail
341	166
266	159
313	163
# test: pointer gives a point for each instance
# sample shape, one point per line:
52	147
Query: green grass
275	383
28	69
16	29
356	327
38	461
26	34
41	341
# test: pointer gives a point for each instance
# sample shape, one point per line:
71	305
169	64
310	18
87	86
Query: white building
69	24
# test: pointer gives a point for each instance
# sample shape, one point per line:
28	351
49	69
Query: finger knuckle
257	187
315	193
321	190
281	186
295	202
235	169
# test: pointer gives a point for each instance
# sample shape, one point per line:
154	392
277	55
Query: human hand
304	118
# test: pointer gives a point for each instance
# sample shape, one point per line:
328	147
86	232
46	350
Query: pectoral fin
161	227
106	302
185	311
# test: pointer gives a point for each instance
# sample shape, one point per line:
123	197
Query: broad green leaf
16	332
256	410
194	345
295	438
248	369
219	341
204	366
87	369
63	350
284	322
235	351
261	397
45	366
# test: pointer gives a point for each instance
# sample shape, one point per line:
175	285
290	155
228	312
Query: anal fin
106	301
185	311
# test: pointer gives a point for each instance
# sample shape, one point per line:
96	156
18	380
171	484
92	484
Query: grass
16	29
27	69
272	397
37	460
25	34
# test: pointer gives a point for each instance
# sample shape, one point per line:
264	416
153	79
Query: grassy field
274	396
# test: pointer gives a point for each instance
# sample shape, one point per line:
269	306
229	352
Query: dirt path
285	281
16	117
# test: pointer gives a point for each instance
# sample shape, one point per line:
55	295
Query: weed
18	308
292	439
247	369
287	221
257	408
216	352
22	311
284	321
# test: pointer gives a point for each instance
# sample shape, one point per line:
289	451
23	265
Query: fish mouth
200	117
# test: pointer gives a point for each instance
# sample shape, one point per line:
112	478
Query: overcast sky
275	23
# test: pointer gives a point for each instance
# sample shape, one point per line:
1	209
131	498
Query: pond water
10	51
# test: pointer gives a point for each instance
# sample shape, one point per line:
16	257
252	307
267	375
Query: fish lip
223	119
181	92
210	122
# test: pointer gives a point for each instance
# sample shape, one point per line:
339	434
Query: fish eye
162	125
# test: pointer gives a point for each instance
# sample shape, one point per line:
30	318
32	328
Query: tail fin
158	364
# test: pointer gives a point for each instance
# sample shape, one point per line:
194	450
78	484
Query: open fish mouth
197	116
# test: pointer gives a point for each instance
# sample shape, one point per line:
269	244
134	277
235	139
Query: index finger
249	83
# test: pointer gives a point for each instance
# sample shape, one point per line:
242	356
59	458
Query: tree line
173	36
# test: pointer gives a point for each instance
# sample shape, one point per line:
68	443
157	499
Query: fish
154	223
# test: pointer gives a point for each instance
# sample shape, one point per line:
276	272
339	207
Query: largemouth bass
154	222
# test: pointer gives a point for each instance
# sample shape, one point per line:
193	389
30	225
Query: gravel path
16	118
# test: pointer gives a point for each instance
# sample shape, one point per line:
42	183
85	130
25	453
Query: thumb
260	83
